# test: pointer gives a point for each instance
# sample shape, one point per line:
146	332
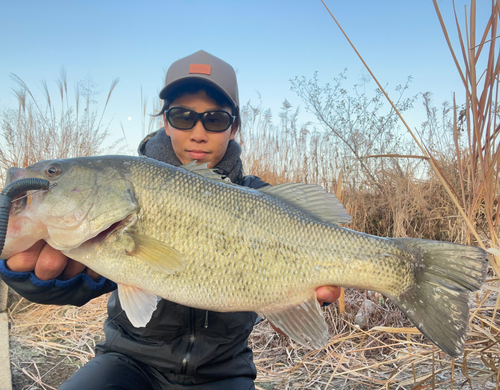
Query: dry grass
48	343
46	128
387	354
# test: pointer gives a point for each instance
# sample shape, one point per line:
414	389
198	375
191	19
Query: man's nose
198	132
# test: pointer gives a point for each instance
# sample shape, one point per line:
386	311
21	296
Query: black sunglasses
185	119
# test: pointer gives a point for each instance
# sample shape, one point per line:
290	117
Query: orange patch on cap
200	69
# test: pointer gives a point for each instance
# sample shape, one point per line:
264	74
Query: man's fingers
94	275
26	261
73	268
51	263
47	263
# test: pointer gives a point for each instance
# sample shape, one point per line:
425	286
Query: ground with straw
49	343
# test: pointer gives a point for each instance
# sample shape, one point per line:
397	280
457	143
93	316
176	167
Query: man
181	347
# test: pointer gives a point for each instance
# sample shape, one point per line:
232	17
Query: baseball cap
206	68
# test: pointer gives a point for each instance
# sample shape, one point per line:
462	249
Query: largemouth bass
185	235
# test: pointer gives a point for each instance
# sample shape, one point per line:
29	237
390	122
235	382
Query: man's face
197	143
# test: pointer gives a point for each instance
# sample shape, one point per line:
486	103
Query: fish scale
185	235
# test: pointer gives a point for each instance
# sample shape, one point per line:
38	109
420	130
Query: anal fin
303	323
137	304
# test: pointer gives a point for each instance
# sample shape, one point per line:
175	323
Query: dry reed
43	128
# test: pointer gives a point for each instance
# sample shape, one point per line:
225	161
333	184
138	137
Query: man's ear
165	125
234	128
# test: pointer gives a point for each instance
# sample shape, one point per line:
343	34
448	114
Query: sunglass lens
217	120
181	118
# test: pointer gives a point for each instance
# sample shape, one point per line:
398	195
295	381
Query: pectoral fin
137	304
303	323
157	254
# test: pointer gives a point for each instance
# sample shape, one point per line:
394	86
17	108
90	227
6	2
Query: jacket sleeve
75	291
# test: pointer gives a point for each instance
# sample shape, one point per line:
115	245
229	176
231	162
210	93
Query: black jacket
187	345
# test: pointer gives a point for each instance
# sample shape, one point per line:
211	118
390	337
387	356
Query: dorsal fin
311	199
204	171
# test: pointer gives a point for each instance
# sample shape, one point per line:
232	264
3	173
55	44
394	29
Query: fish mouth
25	199
105	233
19	203
114	228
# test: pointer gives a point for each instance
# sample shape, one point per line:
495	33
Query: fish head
86	197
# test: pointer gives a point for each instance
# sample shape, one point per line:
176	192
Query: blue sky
268	43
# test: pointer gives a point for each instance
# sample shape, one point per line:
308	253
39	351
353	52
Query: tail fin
438	303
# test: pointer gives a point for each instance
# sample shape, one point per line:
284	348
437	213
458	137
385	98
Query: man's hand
47	263
327	294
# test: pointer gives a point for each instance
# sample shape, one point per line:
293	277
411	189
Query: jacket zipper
192	338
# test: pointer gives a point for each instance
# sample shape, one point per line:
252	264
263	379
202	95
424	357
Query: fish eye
53	170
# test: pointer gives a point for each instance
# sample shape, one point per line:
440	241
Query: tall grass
478	162
479	169
397	196
47	127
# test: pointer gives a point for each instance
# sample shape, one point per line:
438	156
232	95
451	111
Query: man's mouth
197	154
